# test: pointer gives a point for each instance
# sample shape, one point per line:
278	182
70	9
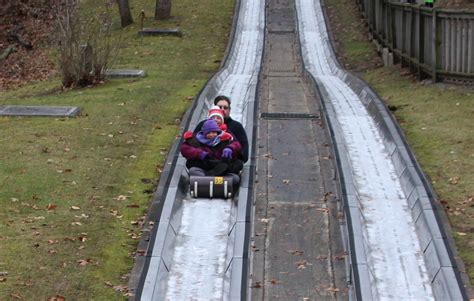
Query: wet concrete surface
297	251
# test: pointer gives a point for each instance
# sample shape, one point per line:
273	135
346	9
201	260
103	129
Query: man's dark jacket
236	129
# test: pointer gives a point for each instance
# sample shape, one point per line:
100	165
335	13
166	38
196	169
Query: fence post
403	38
434	45
421	43
410	40
389	26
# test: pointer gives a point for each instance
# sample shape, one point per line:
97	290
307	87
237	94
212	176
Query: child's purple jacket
191	149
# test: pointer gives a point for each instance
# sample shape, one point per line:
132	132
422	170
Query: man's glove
203	155
226	137
188	135
227	153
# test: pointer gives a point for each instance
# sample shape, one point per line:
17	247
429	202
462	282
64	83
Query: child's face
211	135
217	119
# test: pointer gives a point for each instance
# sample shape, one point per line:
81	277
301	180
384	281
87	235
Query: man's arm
199	126
240	134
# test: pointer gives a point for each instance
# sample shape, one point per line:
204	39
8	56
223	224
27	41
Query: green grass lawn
74	190
437	120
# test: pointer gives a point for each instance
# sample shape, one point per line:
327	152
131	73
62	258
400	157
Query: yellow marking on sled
218	180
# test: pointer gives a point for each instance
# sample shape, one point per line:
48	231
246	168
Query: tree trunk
163	9
125	13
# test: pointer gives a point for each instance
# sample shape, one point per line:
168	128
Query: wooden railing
436	43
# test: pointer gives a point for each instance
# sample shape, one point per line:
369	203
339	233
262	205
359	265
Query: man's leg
196	171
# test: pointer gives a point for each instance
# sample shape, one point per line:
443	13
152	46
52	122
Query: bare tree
125	13
163	9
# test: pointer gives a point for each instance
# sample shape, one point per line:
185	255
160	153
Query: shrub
84	45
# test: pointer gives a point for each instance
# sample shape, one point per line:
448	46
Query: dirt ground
26	28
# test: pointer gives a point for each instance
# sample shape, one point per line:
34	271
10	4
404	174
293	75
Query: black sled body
220	187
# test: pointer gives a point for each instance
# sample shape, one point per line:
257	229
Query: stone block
39	111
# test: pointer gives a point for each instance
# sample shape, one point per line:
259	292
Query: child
211	151
215	113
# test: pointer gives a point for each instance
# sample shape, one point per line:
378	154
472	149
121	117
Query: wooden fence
438	43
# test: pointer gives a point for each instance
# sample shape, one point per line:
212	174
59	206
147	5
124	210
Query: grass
436	120
74	190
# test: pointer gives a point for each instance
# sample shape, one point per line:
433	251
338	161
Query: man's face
224	106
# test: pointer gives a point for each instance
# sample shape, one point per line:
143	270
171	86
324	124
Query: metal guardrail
436	43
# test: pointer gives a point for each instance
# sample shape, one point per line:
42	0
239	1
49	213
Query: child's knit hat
215	110
210	126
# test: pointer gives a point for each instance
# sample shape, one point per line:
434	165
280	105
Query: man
233	126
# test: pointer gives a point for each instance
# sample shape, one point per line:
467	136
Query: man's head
223	102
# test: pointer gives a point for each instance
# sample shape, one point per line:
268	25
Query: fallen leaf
268	156
75	208
50	207
340	256
301	264
84	262
121	288
257	284
82	216
453	180
274	281
108	283
121	198
57	298
296	252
